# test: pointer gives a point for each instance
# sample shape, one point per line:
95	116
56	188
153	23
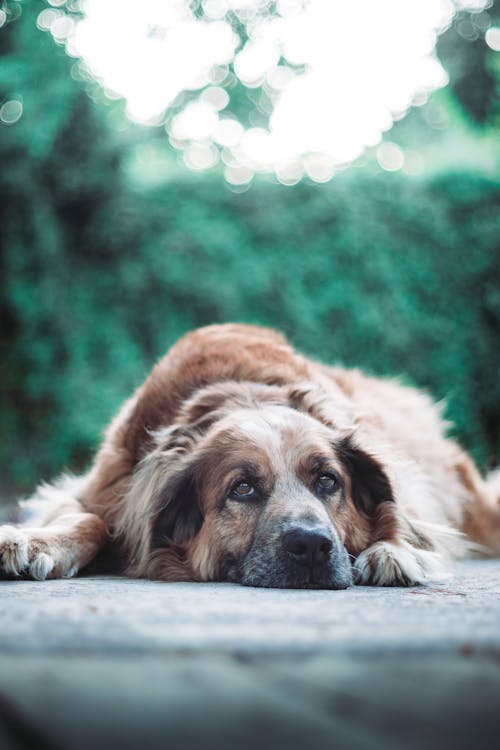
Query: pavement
114	663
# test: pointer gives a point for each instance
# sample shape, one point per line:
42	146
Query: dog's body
240	460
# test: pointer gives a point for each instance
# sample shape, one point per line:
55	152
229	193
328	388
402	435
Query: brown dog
241	460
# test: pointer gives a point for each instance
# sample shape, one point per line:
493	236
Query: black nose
307	546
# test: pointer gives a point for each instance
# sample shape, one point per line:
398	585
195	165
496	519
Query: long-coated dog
240	460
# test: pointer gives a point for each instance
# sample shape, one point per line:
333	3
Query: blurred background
328	168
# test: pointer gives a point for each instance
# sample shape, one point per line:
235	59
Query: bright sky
335	73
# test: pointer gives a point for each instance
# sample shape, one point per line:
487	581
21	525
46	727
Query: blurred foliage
100	273
470	64
459	124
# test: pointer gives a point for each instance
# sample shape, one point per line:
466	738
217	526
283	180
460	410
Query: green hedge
386	273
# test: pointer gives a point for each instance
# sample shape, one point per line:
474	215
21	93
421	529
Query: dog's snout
307	546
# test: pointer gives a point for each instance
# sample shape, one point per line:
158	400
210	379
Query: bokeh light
492	38
185	65
11	111
390	156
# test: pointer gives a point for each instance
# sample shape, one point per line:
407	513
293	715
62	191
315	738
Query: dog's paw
391	564
23	554
13	550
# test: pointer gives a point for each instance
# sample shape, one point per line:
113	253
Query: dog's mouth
307	585
335	581
276	576
294	570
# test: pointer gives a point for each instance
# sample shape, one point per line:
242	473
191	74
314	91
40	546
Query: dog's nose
307	546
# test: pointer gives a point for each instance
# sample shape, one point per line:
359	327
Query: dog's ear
160	508
179	517
370	484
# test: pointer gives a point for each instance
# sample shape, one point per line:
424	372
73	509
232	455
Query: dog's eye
242	491
326	484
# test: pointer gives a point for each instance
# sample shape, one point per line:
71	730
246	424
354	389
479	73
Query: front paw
22	555
396	564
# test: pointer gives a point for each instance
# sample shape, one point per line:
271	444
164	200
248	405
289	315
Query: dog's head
257	485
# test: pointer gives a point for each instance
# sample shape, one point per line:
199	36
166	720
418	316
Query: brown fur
231	399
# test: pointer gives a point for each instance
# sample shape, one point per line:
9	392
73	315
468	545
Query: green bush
392	275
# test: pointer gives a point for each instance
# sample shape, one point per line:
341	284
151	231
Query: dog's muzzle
303	555
315	557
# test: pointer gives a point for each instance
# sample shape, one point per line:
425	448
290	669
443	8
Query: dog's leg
403	551
482	512
413	551
58	550
397	563
61	540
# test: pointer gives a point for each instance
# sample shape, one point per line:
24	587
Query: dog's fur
241	460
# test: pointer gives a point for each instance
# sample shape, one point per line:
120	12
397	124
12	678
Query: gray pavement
110	662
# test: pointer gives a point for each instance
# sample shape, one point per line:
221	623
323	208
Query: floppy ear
179	517
161	506
369	482
176	511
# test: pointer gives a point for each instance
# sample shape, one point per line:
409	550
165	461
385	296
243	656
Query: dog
241	460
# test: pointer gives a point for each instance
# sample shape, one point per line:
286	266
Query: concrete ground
114	663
